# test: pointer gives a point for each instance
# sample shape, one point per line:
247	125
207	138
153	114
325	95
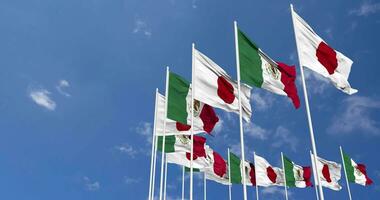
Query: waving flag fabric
216	88
356	173
257	69
317	55
329	173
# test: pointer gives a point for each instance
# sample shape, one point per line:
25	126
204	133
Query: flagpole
204	186
283	168
229	175
153	145
155	161
154	166
166	176
345	173
257	186
314	148
192	120
314	167
163	138
240	109
183	182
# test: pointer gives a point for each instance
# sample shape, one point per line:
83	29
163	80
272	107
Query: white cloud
142	27
283	137
230	117
355	115
366	8
130	180
236	149
41	97
329	33
256	131
279	191
353	25
194	4
218	127
145	129
62	84
173	198
316	84
293	56
127	149
91	185
262	100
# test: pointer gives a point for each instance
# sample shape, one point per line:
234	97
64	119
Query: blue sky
78	78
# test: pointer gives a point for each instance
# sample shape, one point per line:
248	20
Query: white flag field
317	55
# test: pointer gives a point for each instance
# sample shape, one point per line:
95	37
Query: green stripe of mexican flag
289	173
257	69
170	142
356	173
235	169
251	70
179	94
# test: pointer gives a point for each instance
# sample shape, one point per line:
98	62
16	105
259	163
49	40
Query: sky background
77	86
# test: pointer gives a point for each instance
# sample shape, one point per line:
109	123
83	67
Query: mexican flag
295	175
236	166
356	173
216	88
257	69
329	173
266	174
178	150
317	55
179	107
205	122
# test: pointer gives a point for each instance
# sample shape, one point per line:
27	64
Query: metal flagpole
314	167
154	166
283	168
229	175
345	173
257	186
240	109
153	145
164	134
183	182
166	176
204	186
314	148
192	86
